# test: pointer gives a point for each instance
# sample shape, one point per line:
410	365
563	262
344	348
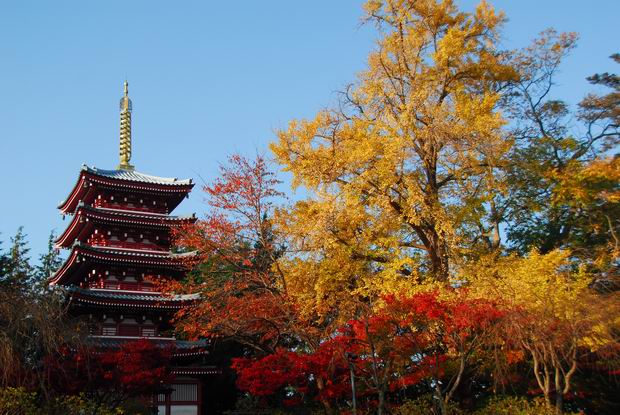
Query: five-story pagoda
119	237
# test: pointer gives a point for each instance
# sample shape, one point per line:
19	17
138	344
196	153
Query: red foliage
299	372
410	339
266	376
137	368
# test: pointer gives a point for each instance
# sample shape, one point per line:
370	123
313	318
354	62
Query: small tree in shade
109	378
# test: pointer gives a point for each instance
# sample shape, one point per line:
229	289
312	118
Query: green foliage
4	263
424	405
543	208
49	262
19	401
514	405
17	269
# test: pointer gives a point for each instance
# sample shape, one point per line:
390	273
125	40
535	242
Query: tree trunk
559	396
326	405
381	407
559	403
439	396
438	252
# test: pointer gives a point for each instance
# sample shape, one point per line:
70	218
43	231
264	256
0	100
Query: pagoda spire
125	137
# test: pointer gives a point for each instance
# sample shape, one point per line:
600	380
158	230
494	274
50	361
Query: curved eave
88	178
83	254
77	194
63	272
85	216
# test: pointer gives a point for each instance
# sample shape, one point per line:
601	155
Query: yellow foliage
397	173
550	288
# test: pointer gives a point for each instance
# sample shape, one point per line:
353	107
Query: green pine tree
49	262
4	263
19	272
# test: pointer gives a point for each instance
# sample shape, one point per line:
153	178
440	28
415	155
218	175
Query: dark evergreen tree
562	169
49	262
18	272
4	263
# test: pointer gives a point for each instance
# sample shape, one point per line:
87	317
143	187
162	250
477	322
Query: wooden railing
127	245
128	330
124	206
123	285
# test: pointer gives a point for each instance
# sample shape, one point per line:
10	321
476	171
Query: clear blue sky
207	78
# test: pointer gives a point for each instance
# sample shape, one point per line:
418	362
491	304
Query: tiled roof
132	296
134	176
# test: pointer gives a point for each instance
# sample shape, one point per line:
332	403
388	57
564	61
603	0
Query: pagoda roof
125	180
109	298
86	216
134	176
82	254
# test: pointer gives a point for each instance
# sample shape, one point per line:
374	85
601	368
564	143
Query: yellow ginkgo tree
400	174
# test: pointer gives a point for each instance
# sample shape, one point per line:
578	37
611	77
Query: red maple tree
409	340
243	292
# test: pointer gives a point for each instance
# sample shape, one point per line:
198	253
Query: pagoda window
130	330
108	328
149	330
184	393
112	284
129	327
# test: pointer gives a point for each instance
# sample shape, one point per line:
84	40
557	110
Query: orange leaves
243	183
242	297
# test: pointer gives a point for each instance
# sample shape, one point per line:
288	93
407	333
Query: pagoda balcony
127	331
108	243
98	203
123	286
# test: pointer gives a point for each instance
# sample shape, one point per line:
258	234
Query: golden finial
125	143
